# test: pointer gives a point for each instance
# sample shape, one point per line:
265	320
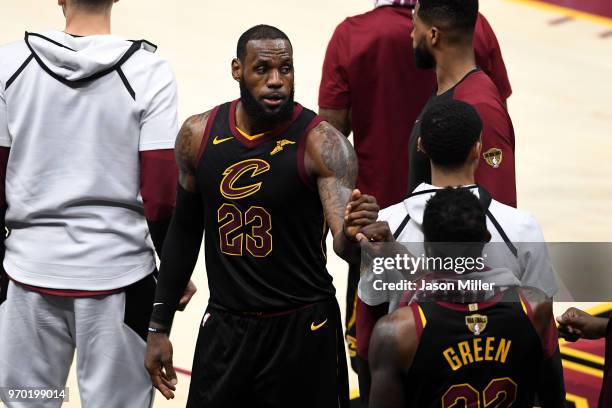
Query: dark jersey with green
264	224
474	355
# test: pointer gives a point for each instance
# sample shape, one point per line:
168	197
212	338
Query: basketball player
443	39
439	351
450	137
264	178
576	324
370	86
87	122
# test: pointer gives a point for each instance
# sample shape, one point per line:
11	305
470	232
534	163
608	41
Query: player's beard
259	114
422	57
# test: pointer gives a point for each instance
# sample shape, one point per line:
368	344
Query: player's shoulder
13	48
378	14
395	337
478	89
520	225
196	124
396	325
324	133
147	66
146	54
482	26
393	214
12	56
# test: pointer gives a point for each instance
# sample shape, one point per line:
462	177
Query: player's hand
575	324
190	290
361	210
379	231
374	240
158	362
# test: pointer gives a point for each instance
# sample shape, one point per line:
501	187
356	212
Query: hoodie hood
415	204
75	59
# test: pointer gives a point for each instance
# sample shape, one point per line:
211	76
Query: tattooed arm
179	256
331	160
186	149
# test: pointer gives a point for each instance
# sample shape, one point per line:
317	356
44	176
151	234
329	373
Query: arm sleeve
159	120
4	155
489	57
5	137
334	92
498	174
179	256
158	179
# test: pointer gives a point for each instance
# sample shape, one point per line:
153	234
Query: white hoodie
532	265
76	112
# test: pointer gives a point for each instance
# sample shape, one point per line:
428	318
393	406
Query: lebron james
264	179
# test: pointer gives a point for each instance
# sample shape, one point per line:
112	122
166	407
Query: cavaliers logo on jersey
250	168
280	145
493	157
476	323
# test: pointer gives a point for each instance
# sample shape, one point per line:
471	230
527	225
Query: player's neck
83	24
453	65
453	178
245	123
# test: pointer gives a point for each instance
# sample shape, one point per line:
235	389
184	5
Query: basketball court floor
559	63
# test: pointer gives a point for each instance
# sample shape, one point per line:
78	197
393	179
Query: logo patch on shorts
205	319
315	327
493	157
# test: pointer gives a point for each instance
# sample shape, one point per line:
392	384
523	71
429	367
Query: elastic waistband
275	313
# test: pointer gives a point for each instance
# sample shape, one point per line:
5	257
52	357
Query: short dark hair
451	14
259	32
449	130
93	4
454	215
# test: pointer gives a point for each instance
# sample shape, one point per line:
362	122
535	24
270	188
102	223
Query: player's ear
236	69
476	150
62	4
434	36
420	147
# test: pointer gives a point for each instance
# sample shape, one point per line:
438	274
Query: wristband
156	330
162	314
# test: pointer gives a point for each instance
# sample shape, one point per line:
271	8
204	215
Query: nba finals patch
280	145
476	323
493	157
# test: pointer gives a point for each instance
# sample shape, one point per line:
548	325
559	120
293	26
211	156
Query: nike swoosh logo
315	327
216	140
155	304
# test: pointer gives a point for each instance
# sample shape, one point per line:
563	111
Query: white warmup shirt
75	112
532	264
